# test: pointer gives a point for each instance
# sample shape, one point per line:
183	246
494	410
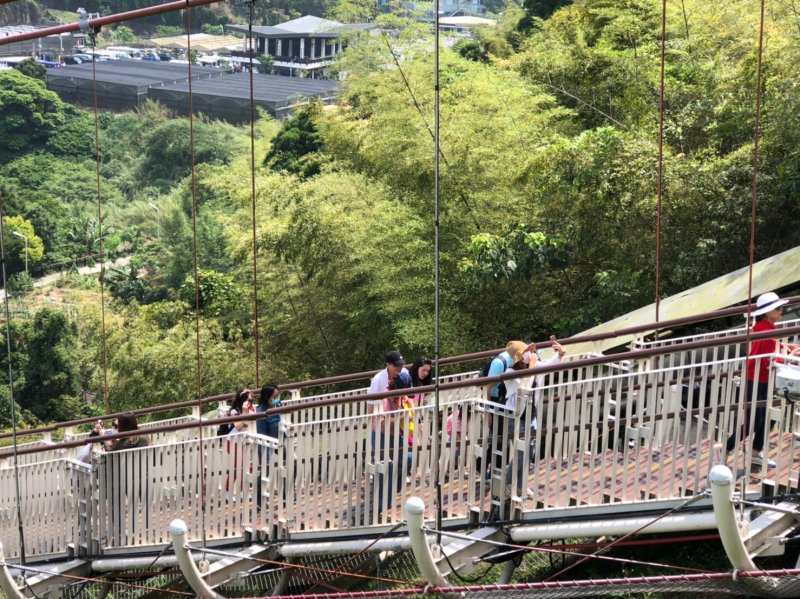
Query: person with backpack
518	355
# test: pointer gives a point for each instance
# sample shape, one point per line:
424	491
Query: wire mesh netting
316	584
315	574
783	583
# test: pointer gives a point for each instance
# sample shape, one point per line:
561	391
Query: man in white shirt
395	366
395	369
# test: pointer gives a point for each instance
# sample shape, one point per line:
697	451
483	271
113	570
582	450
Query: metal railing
55	496
359	376
578	434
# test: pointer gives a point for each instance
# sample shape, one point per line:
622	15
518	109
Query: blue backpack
501	387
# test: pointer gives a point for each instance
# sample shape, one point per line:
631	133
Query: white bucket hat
767	302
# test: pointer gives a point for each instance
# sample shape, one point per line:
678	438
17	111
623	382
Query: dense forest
549	153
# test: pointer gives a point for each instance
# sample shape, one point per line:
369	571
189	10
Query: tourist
421	373
518	355
243	404
85	451
529	358
768	312
269	398
395	366
127	423
394	428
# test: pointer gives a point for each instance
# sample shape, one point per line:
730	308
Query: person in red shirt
768	312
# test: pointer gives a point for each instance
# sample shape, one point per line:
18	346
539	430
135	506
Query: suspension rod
107	20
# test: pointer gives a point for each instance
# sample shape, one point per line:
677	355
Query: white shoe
758	460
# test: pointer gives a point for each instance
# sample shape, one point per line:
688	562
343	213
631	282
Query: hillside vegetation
549	131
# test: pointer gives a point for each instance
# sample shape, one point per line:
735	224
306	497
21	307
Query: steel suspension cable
17	492
287	566
421	113
103	350
87	579
753	212
253	192
437	418
754	183
353	558
540	549
196	271
623	538
660	191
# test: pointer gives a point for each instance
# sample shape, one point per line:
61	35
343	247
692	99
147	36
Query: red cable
660	192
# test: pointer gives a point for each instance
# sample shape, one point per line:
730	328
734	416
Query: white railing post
414	510
722	481
7	584
178	530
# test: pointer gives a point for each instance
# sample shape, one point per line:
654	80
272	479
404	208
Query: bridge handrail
711	334
471	357
480	382
639	432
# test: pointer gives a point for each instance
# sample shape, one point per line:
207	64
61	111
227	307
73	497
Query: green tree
167	156
122	34
51	378
471	50
17	230
264	63
29	113
354	11
295	148
218	292
168	30
20	284
539	9
31	68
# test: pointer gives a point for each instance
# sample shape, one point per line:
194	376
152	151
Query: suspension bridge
596	447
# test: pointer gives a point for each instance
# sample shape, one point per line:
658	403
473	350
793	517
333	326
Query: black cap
395	359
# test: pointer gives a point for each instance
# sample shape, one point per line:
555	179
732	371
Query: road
46	280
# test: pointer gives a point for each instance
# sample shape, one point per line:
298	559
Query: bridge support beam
721	481
414	510
178	530
7	584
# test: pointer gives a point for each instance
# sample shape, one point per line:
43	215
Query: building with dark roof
303	47
228	97
51	44
126	84
121	84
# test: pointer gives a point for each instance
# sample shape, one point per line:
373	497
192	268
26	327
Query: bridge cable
541	549
20	529
421	113
193	183
288	566
437	417
92	33
88	579
603	549
753	210
352	559
253	191
660	190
